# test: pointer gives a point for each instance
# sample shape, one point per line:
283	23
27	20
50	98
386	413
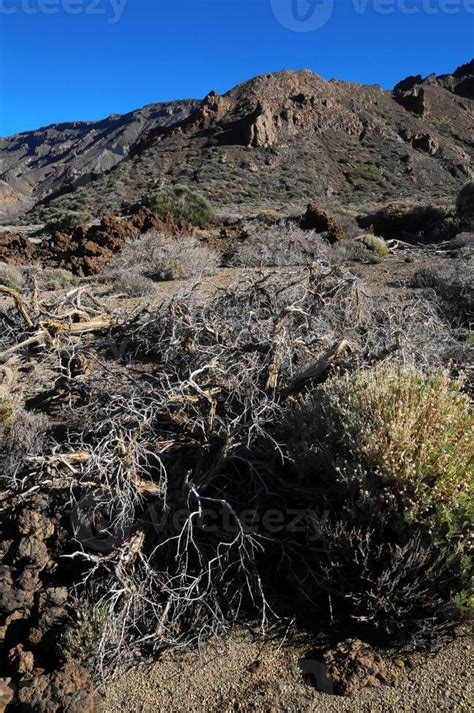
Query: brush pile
165	487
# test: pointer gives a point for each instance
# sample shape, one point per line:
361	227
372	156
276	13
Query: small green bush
375	244
79	641
384	460
66	220
465	202
178	201
402	438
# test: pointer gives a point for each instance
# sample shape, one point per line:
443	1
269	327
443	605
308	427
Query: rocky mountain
276	139
41	163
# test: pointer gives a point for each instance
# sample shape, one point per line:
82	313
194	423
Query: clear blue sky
57	66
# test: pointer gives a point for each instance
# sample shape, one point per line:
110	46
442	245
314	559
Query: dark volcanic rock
15	249
317	219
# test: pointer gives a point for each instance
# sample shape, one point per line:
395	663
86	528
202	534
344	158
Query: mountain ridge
289	129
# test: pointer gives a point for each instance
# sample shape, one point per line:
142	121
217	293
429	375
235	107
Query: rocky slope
277	139
40	163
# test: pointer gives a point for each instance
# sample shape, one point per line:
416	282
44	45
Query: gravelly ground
221	681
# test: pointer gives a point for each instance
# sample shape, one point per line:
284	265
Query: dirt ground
226	678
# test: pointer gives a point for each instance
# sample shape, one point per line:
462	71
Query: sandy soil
225	679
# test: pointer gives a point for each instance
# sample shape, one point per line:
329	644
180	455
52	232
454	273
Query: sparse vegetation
80	640
453	285
387	456
11	277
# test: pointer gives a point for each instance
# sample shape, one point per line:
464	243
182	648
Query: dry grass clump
48	279
159	258
11	276
280	246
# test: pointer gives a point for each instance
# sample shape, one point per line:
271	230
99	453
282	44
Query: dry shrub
160	258
22	434
348	251
175	452
281	245
453	285
465	203
129	282
11	276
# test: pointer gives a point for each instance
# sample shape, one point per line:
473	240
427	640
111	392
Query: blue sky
113	56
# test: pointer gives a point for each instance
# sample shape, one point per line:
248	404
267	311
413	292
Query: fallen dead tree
75	314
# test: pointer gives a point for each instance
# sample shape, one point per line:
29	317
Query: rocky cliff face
282	138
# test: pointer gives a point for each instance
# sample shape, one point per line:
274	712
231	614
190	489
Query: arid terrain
236	426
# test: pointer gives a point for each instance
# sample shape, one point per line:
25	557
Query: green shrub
178	201
79	641
402	438
66	220
465	202
375	244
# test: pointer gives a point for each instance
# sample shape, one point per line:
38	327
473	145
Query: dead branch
317	373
